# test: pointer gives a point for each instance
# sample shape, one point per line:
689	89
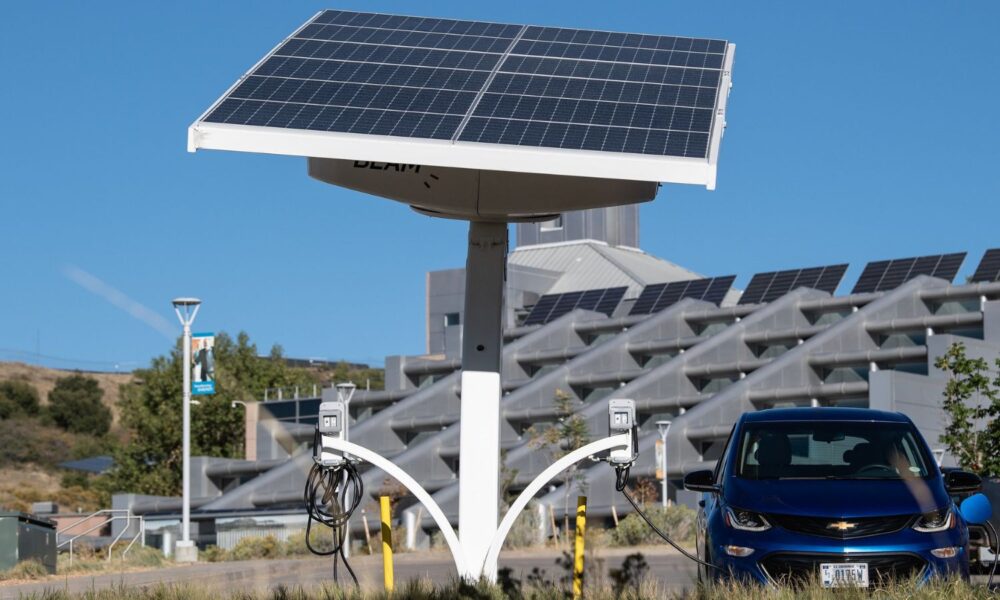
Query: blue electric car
847	496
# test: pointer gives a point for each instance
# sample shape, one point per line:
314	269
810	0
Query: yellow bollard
386	542
581	529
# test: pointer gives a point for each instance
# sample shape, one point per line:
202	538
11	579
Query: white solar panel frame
466	155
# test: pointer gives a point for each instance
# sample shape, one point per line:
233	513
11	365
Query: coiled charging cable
332	494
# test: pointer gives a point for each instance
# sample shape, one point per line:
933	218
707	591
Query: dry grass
86	561
424	590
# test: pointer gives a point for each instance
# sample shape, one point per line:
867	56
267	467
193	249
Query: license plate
844	574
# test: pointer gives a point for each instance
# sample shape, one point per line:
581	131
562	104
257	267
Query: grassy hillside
44	379
31	446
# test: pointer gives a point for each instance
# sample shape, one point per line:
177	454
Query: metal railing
290	393
110	516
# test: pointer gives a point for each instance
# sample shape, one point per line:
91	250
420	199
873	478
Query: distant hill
31	448
44	379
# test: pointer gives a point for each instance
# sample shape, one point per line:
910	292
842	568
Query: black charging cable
621	483
332	494
995	548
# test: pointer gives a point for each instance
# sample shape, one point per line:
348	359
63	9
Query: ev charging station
488	184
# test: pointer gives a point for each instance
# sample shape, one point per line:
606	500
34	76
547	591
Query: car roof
825	413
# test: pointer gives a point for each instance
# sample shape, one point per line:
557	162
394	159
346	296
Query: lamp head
185	302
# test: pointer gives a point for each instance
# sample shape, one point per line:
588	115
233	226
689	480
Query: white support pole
663	427
479	442
186	459
187	310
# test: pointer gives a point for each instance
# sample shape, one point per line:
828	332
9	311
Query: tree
569	433
972	403
151	412
18	398
75	405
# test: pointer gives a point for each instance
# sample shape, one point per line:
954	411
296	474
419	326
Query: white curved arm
623	440
415	488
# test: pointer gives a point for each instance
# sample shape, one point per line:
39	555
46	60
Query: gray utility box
25	537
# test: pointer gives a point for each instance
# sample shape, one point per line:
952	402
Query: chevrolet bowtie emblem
841	525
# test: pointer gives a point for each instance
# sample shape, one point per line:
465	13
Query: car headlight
935	521
746	520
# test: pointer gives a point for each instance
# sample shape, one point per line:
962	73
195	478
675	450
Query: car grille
856	527
801	568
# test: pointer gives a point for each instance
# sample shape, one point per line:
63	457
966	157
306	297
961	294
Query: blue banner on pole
202	364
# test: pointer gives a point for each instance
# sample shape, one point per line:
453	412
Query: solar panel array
493	83
552	306
884	275
767	287
658	296
989	267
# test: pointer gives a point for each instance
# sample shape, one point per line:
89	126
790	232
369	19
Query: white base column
479	469
185	552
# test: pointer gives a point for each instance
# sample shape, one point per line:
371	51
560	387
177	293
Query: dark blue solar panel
989	267
767	287
885	275
658	296
552	306
486	82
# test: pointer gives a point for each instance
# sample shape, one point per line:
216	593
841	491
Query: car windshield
830	450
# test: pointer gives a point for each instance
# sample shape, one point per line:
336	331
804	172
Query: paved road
674	571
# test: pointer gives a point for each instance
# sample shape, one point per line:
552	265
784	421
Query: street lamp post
187	310
663	427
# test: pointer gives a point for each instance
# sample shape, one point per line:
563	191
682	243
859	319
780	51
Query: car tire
705	578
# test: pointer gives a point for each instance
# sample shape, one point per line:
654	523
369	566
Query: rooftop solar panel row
767	287
884	275
659	296
552	306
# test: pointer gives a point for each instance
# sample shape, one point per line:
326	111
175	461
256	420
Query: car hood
859	498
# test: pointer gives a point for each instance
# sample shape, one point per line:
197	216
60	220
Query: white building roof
589	264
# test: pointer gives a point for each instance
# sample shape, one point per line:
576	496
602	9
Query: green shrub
524	531
18	398
320	538
213	554
7	407
250	548
676	521
75	405
140	556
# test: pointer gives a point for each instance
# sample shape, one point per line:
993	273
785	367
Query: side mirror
976	509
700	481
962	482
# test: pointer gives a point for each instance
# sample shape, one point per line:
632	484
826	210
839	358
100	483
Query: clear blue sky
857	131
